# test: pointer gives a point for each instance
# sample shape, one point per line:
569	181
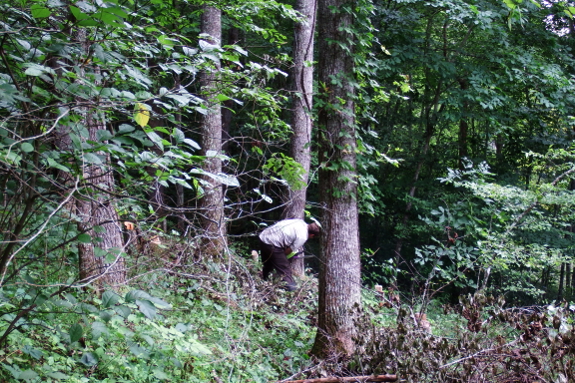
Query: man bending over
280	242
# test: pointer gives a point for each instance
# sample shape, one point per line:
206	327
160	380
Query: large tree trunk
339	279
302	86
211	205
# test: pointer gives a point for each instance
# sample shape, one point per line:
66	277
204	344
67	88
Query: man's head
313	230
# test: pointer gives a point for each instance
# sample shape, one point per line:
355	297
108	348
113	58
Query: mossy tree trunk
339	279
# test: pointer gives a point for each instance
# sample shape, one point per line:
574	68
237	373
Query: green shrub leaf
88	359
147	308
99	329
84	238
75	332
57	375
28	375
109	299
133	295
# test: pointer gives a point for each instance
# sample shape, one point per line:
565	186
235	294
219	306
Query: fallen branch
335	379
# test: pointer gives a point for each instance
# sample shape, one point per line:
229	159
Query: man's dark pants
274	258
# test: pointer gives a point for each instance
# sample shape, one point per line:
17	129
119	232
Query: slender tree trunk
561	278
339	280
568	280
463	126
211	205
302	77
94	206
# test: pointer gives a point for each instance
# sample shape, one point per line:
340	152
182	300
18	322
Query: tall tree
100	257
212	202
302	86
339	280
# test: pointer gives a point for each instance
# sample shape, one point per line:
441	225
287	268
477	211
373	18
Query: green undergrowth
204	322
219	322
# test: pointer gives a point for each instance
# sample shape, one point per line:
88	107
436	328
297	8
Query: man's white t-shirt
291	233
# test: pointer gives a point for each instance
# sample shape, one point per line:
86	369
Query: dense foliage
464	126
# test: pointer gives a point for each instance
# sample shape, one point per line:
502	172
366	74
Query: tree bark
302	86
568	280
561	279
463	126
339	278
211	205
94	205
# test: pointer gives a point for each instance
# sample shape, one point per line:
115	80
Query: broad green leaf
34	353
99	229
178	135
106	316
205	46
109	298
39	12
117	11
78	14
88	23
192	143
57	375
52	163
125	128
147	308
160	374
198	348
99	252
222	97
133	295
34	71
88	308
166	41
140	352
113	253
225	179
84	238
156	139
110	19
99	329
122	310
160	302
189	51
142	114
75	332
92	158
27	147
103	135
88	359
28	375
510	4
